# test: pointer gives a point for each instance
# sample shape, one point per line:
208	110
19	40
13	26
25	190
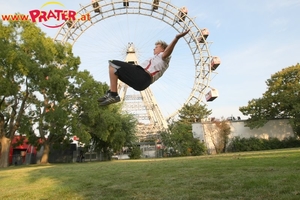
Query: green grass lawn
251	175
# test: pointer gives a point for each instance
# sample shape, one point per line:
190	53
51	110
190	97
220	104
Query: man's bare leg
113	79
112	95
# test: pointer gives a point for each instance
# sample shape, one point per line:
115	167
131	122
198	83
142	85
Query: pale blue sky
254	39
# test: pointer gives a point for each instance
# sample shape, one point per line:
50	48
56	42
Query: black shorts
133	75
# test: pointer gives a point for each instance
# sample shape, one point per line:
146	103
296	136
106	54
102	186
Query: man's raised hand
180	35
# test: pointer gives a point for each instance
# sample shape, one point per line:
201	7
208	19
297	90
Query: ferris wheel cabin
96	6
182	13
212	95
70	24
125	3
215	62
205	34
155	4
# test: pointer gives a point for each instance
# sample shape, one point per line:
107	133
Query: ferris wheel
114	26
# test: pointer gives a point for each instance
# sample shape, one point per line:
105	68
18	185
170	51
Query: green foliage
239	144
180	139
193	113
112	131
197	148
135	152
281	100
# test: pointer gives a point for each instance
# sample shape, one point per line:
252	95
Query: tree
51	109
180	138
281	100
107	127
192	113
16	63
219	132
224	131
114	131
36	71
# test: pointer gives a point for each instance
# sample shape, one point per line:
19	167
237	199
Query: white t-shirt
156	66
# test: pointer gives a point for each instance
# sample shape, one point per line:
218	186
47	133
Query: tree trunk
45	155
5	146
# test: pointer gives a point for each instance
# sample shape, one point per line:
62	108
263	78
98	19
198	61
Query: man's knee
112	69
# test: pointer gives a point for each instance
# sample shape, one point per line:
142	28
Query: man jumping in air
139	77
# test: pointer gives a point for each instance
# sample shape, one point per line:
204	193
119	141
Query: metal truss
143	106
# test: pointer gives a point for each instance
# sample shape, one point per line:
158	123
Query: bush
275	143
238	144
197	148
291	142
135	153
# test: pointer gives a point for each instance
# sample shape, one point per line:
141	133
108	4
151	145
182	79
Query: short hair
163	44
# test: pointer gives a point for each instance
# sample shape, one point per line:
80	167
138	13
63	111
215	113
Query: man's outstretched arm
168	51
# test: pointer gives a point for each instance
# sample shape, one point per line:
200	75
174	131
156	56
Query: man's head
160	46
